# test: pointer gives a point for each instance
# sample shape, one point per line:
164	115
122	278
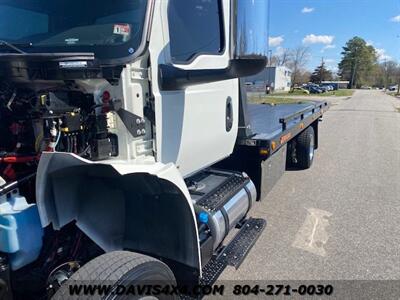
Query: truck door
197	125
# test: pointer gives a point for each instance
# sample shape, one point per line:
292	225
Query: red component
10	173
106	101
106	97
15	128
17	159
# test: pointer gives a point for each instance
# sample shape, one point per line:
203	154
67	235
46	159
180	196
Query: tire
305	148
119	268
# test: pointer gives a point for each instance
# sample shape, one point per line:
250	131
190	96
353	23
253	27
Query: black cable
68	143
84	151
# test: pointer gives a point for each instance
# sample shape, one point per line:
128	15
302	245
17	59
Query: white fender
71	188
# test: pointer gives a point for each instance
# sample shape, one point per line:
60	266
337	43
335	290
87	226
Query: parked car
313	89
300	89
366	87
332	86
324	88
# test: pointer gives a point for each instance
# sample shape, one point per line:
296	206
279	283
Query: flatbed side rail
284	121
292	125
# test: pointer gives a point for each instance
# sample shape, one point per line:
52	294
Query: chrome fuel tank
225	219
235	193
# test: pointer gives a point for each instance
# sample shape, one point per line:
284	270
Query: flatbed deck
274	125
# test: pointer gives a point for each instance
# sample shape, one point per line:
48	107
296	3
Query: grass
338	93
289	98
394	94
274	100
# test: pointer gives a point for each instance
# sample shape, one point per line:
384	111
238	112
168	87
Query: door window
195	27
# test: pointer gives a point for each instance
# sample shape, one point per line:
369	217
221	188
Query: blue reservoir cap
203	217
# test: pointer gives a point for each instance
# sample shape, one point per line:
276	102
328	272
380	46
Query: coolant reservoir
20	230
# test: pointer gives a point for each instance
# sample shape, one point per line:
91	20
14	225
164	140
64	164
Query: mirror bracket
172	78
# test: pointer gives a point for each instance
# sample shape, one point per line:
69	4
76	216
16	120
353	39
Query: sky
326	25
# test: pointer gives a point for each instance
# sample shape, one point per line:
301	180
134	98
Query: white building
278	78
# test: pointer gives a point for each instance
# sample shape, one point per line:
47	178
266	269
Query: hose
15	184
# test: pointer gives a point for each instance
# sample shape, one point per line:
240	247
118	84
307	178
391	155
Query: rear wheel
120	270
305	147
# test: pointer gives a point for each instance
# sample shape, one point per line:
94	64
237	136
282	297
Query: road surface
340	219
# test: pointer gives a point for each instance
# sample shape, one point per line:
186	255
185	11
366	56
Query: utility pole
386	74
398	75
270	58
268	88
321	70
267	69
354	72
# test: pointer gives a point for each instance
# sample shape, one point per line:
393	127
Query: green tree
359	60
321	73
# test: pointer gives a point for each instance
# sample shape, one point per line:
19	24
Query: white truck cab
132	115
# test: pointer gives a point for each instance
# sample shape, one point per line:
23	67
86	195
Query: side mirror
249	46
250	29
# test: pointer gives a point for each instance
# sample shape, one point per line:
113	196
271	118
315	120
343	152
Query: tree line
360	65
295	59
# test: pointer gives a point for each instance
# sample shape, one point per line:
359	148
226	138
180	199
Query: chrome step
214	199
235	252
231	255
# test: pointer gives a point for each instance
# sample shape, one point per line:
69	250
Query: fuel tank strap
226	220
250	198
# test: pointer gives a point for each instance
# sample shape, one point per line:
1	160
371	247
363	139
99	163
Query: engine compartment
34	119
61	119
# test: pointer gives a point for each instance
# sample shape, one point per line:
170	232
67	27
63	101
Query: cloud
318	39
331	64
275	41
307	10
327	47
395	19
382	55
330	60
380	52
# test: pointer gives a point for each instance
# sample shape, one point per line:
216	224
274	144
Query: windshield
110	29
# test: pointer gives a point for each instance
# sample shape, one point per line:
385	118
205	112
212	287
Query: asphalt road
340	219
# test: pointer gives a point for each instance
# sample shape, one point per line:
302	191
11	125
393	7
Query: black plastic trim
244	120
228	115
172	78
